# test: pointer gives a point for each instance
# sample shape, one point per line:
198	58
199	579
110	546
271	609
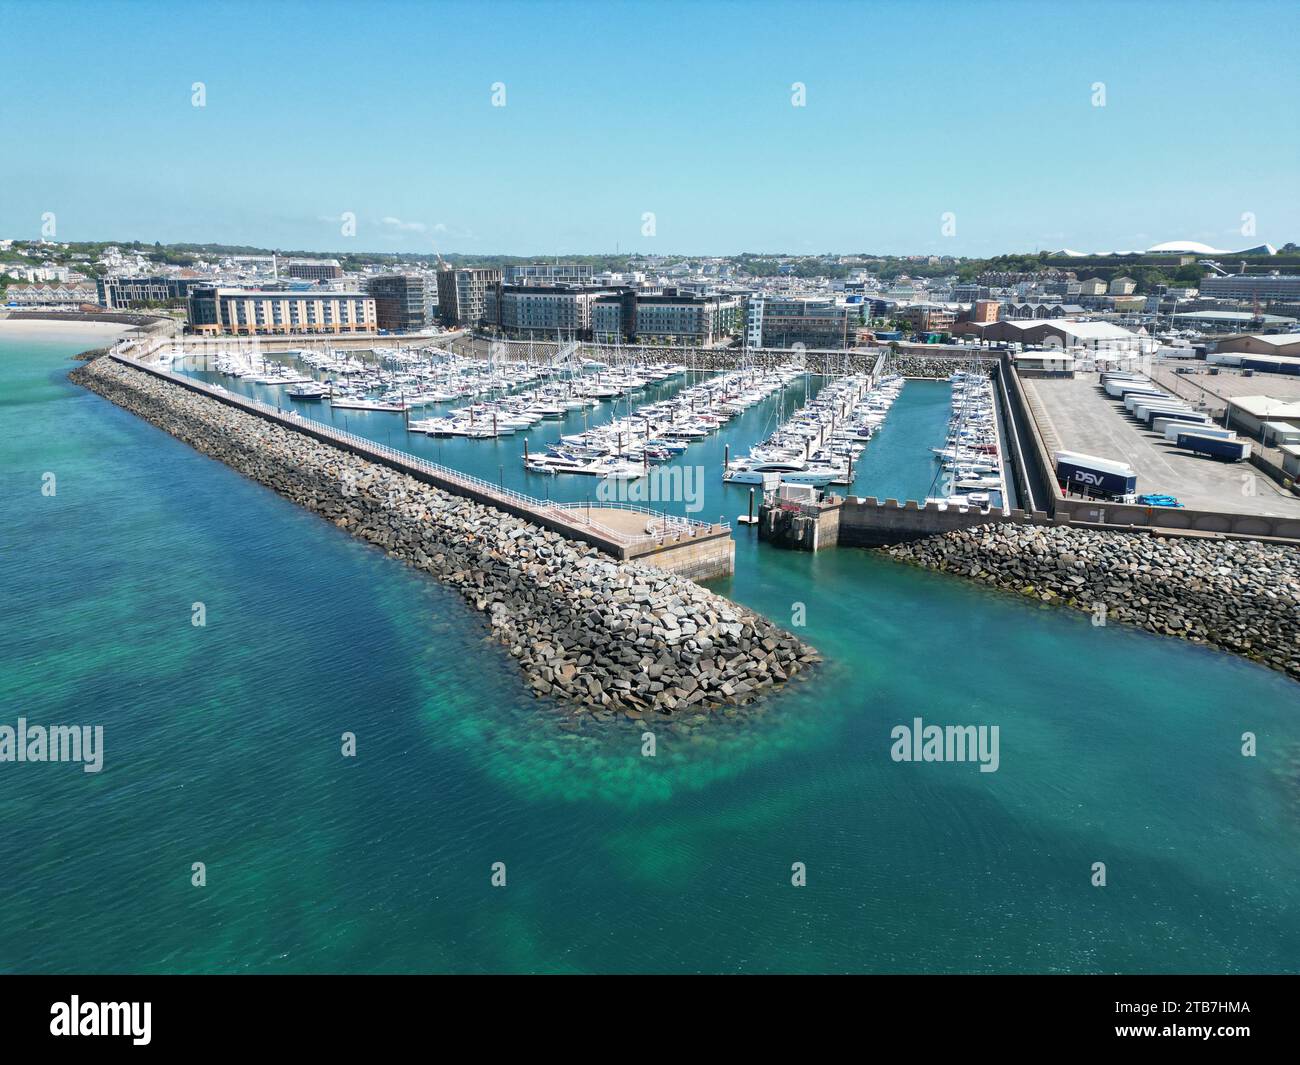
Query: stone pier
598	633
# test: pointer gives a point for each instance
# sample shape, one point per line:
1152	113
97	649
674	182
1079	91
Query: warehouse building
1212	321
1058	333
1260	344
1046	363
1291	461
1248	414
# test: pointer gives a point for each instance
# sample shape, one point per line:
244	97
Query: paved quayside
599	634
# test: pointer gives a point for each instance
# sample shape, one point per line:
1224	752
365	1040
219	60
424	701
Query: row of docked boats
402	380
819	444
258	372
507	414
627	446
399	380
394	381
970	460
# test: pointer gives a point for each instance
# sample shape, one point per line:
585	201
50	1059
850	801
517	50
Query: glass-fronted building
811	321
404	303
123	293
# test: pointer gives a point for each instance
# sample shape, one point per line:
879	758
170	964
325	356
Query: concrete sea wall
599	635
1242	596
154	321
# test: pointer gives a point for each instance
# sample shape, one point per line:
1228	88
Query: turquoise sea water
222	746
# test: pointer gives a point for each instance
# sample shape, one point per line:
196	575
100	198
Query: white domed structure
1184	247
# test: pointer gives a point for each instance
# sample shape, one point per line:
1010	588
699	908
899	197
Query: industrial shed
1260	344
1102	336
1249	413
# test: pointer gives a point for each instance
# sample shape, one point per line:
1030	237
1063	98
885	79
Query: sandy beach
94	334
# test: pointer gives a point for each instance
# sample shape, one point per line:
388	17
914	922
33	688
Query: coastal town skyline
1168	247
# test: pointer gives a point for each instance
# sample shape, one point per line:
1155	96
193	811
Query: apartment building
1014	310
537	310
1267	288
404	303
63	295
121	293
688	319
313	269
1066	288
672	315
257	312
548	274
462	294
610	315
39	272
929	317
811	321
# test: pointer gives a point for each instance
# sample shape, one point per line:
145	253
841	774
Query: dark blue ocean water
222	746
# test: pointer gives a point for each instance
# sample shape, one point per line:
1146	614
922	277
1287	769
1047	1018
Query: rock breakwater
939	367
1239	595
601	636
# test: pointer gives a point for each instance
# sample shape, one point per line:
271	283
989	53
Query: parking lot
1076	415
1228	383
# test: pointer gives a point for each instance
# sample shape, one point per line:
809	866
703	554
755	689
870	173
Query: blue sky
615	110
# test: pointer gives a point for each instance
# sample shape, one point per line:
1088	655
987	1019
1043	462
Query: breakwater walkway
600	634
626	531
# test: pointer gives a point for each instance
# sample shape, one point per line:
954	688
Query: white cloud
459	233
405	227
